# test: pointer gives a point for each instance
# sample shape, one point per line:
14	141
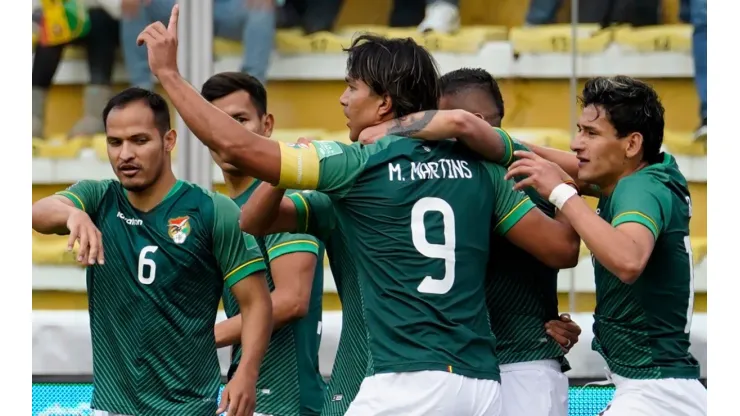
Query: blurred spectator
441	16
695	13
310	15
603	12
101	42
542	12
250	21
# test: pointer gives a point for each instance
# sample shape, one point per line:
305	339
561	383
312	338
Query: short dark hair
225	83
397	67
154	101
473	78
631	106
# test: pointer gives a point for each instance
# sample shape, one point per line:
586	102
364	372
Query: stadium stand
306	78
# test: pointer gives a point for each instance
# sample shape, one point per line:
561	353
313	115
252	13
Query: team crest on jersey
179	229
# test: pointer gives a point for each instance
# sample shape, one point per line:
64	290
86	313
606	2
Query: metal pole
573	114
196	65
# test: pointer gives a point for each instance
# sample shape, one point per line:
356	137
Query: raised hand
161	44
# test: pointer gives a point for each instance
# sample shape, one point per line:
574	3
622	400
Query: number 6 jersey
417	217
153	303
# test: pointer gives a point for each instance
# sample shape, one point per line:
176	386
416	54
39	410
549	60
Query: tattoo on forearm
410	125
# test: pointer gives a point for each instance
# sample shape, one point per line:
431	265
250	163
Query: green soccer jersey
521	293
290	383
153	303
417	217
642	329
316	216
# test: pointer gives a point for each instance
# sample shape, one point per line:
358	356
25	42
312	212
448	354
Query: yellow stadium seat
227	47
320	42
52	251
338	136
406	32
326	260
356	30
556	138
60	148
584	251
100	146
683	144
699	248
558	39
464	41
292	135
675	38
490	33
37	143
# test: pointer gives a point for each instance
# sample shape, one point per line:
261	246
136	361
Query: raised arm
255	155
490	142
268	211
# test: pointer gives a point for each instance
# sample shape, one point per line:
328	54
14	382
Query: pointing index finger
174	17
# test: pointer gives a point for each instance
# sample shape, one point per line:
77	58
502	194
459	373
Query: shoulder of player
647	180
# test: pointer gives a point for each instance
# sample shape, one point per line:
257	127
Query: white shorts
426	393
534	388
663	397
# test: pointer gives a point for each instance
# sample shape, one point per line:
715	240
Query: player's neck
629	170
149	198
237	185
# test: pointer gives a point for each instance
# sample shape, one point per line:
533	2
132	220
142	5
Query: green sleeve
339	166
509	205
510	145
286	243
641	200
87	194
237	253
316	215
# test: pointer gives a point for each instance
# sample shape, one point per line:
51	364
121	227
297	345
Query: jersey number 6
444	251
146	263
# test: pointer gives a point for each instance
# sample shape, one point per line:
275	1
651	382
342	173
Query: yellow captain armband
299	166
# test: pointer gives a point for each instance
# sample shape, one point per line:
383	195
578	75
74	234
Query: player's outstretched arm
51	214
552	241
68	212
492	143
267	211
255	155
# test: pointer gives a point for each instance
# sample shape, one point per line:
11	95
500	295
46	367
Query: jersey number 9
444	251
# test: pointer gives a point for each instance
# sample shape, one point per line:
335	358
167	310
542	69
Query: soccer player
638	237
417	216
639	240
290	383
170	248
521	292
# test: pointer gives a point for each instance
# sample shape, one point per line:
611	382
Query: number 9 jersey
153	303
417	216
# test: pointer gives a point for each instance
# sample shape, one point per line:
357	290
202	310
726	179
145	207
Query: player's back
643	329
418	217
153	304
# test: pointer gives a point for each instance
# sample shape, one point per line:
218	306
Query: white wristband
561	194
